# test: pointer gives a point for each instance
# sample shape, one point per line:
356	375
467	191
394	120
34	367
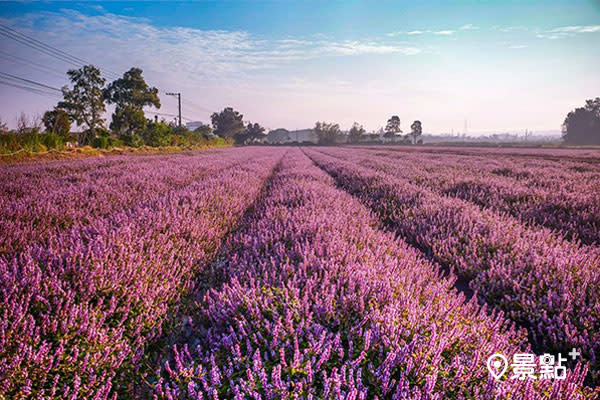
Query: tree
327	133
157	134
130	123
131	94
356	133
85	101
26	126
582	125
57	121
3	127
253	132
204	130
393	127
416	130
228	123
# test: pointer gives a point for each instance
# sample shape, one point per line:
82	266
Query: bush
52	140
158	134
106	142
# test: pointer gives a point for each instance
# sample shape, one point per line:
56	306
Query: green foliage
416	130
356	133
252	133
392	127
34	142
158	134
132	90
328	133
205	131
57	121
228	123
85	101
129	123
52	140
131	94
582	125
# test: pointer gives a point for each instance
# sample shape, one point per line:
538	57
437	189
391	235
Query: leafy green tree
582	125
356	133
158	134
85	101
328	133
227	123
416	130
129	122
131	94
392	127
57	121
252	133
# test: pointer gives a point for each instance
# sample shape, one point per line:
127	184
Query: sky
494	66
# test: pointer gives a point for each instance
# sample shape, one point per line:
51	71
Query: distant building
283	136
194	125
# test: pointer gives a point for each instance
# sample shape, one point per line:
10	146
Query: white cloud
567	31
577	29
414	33
110	39
468	27
517	46
351	47
444	32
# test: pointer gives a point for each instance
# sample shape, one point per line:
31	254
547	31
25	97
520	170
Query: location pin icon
497	365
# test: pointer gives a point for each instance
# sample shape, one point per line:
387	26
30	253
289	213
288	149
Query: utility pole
179	101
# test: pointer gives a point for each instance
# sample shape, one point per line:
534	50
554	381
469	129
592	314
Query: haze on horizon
502	66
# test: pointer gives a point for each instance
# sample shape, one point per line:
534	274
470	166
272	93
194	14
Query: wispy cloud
468	27
201	54
567	31
444	32
577	29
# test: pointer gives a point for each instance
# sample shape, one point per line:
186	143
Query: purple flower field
299	273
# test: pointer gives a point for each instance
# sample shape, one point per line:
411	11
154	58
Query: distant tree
415	131
3	127
85	101
582	125
392	127
204	130
227	123
26	126
328	133
356	133
131	94
57	121
251	133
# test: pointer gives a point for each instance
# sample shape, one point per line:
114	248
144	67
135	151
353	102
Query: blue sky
502	65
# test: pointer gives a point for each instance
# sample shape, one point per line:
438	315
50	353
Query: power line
29	81
29	63
168	115
47	49
30	89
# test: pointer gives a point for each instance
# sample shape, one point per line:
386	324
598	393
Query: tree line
330	133
84	103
